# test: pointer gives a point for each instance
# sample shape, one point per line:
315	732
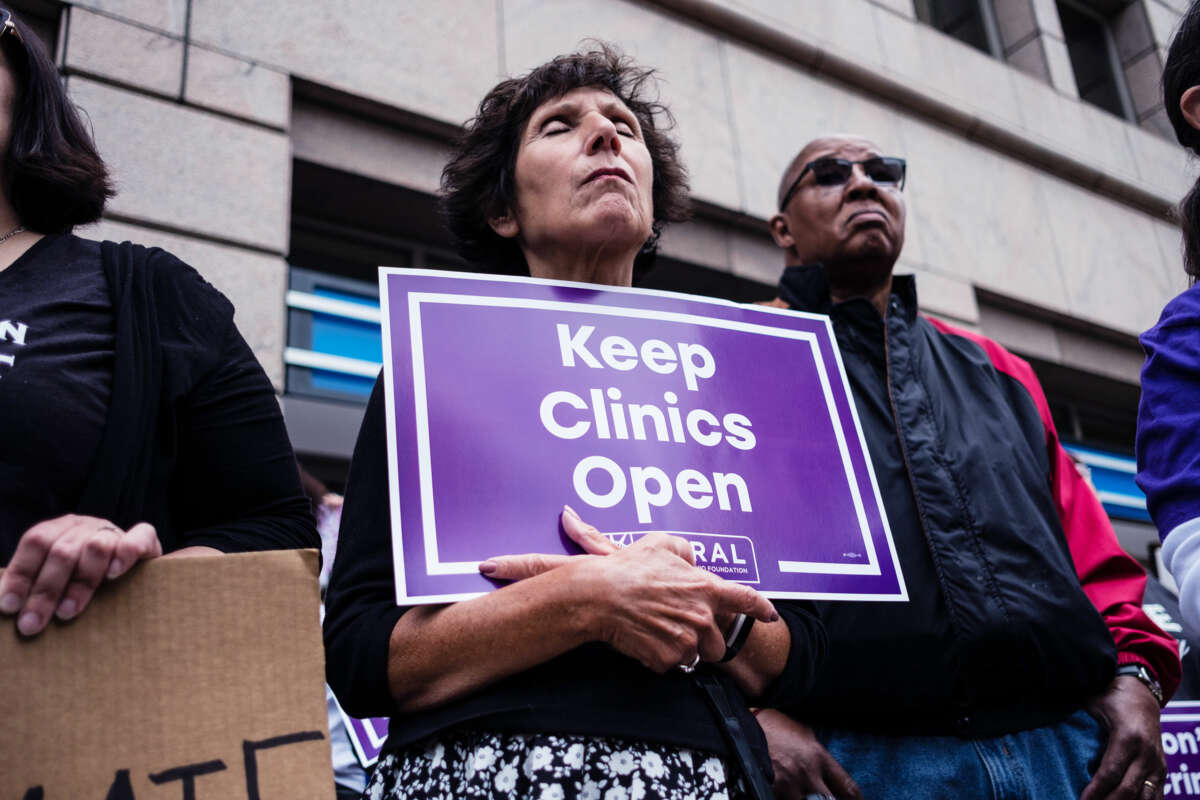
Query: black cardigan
194	442
591	690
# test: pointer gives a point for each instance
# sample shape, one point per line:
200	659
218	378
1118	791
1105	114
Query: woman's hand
59	564
655	605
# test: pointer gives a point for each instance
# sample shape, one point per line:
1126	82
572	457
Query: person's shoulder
175	285
998	354
1183	309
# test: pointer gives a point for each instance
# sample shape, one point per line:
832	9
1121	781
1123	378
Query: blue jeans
1052	762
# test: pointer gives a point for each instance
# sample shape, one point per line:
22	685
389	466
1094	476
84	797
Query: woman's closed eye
556	124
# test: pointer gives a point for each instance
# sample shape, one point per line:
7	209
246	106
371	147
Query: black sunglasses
882	170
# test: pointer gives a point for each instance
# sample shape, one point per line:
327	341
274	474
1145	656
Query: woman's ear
1189	104
505	226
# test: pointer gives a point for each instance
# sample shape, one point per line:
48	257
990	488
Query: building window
344	227
972	22
1095	61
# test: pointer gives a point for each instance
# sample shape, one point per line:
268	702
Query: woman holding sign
584	676
134	418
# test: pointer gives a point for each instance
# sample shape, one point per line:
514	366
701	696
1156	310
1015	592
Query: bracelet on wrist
735	640
1146	677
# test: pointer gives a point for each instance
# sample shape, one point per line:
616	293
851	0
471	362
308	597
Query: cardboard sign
730	425
189	677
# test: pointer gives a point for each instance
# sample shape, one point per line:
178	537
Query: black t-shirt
56	363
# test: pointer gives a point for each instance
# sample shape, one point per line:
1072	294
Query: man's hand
1134	755
59	564
802	766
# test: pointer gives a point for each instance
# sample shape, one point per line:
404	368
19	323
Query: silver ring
690	667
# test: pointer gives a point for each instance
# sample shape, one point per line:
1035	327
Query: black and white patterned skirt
513	766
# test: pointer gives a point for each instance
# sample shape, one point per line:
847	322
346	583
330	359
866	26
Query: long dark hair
1180	74
478	182
53	175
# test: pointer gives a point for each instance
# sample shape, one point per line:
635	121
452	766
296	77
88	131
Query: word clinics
567	415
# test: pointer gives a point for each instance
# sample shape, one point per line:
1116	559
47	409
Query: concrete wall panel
1170	248
980	217
188	169
432	59
842	25
1161	162
129	54
755	257
1110	258
349	143
1163	20
688	60
942	295
238	87
777	109
937	64
163	15
698	242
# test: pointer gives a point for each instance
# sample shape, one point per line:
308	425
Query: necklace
12	233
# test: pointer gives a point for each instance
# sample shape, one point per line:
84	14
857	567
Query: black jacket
998	635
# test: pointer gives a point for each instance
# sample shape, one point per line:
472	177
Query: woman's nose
604	135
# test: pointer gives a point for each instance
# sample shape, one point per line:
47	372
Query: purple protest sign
367	736
1181	744
726	424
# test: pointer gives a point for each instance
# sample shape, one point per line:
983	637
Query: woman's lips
605	172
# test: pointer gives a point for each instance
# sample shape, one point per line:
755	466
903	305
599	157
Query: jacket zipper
933	554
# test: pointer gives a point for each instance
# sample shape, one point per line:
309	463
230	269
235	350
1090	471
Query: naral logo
731	557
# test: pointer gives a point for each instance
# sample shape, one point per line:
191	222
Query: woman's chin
614	228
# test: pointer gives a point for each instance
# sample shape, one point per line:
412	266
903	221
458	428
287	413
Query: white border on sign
434	566
389	414
1181	711
355	743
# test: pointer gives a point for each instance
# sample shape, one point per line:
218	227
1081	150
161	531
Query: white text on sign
567	415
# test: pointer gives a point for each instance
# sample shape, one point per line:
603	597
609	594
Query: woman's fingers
95	554
672	544
58	566
59	563
738	598
711	643
516	568
586	536
139	542
17	581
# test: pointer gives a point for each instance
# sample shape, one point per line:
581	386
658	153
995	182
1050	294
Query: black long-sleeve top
591	690
126	392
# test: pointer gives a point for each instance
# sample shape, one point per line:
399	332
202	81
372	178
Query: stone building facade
287	148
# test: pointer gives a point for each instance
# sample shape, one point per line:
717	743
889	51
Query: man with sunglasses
1022	664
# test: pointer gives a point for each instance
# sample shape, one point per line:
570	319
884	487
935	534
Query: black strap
735	735
119	481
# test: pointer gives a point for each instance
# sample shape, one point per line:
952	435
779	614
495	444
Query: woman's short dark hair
478	183
1182	72
53	175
